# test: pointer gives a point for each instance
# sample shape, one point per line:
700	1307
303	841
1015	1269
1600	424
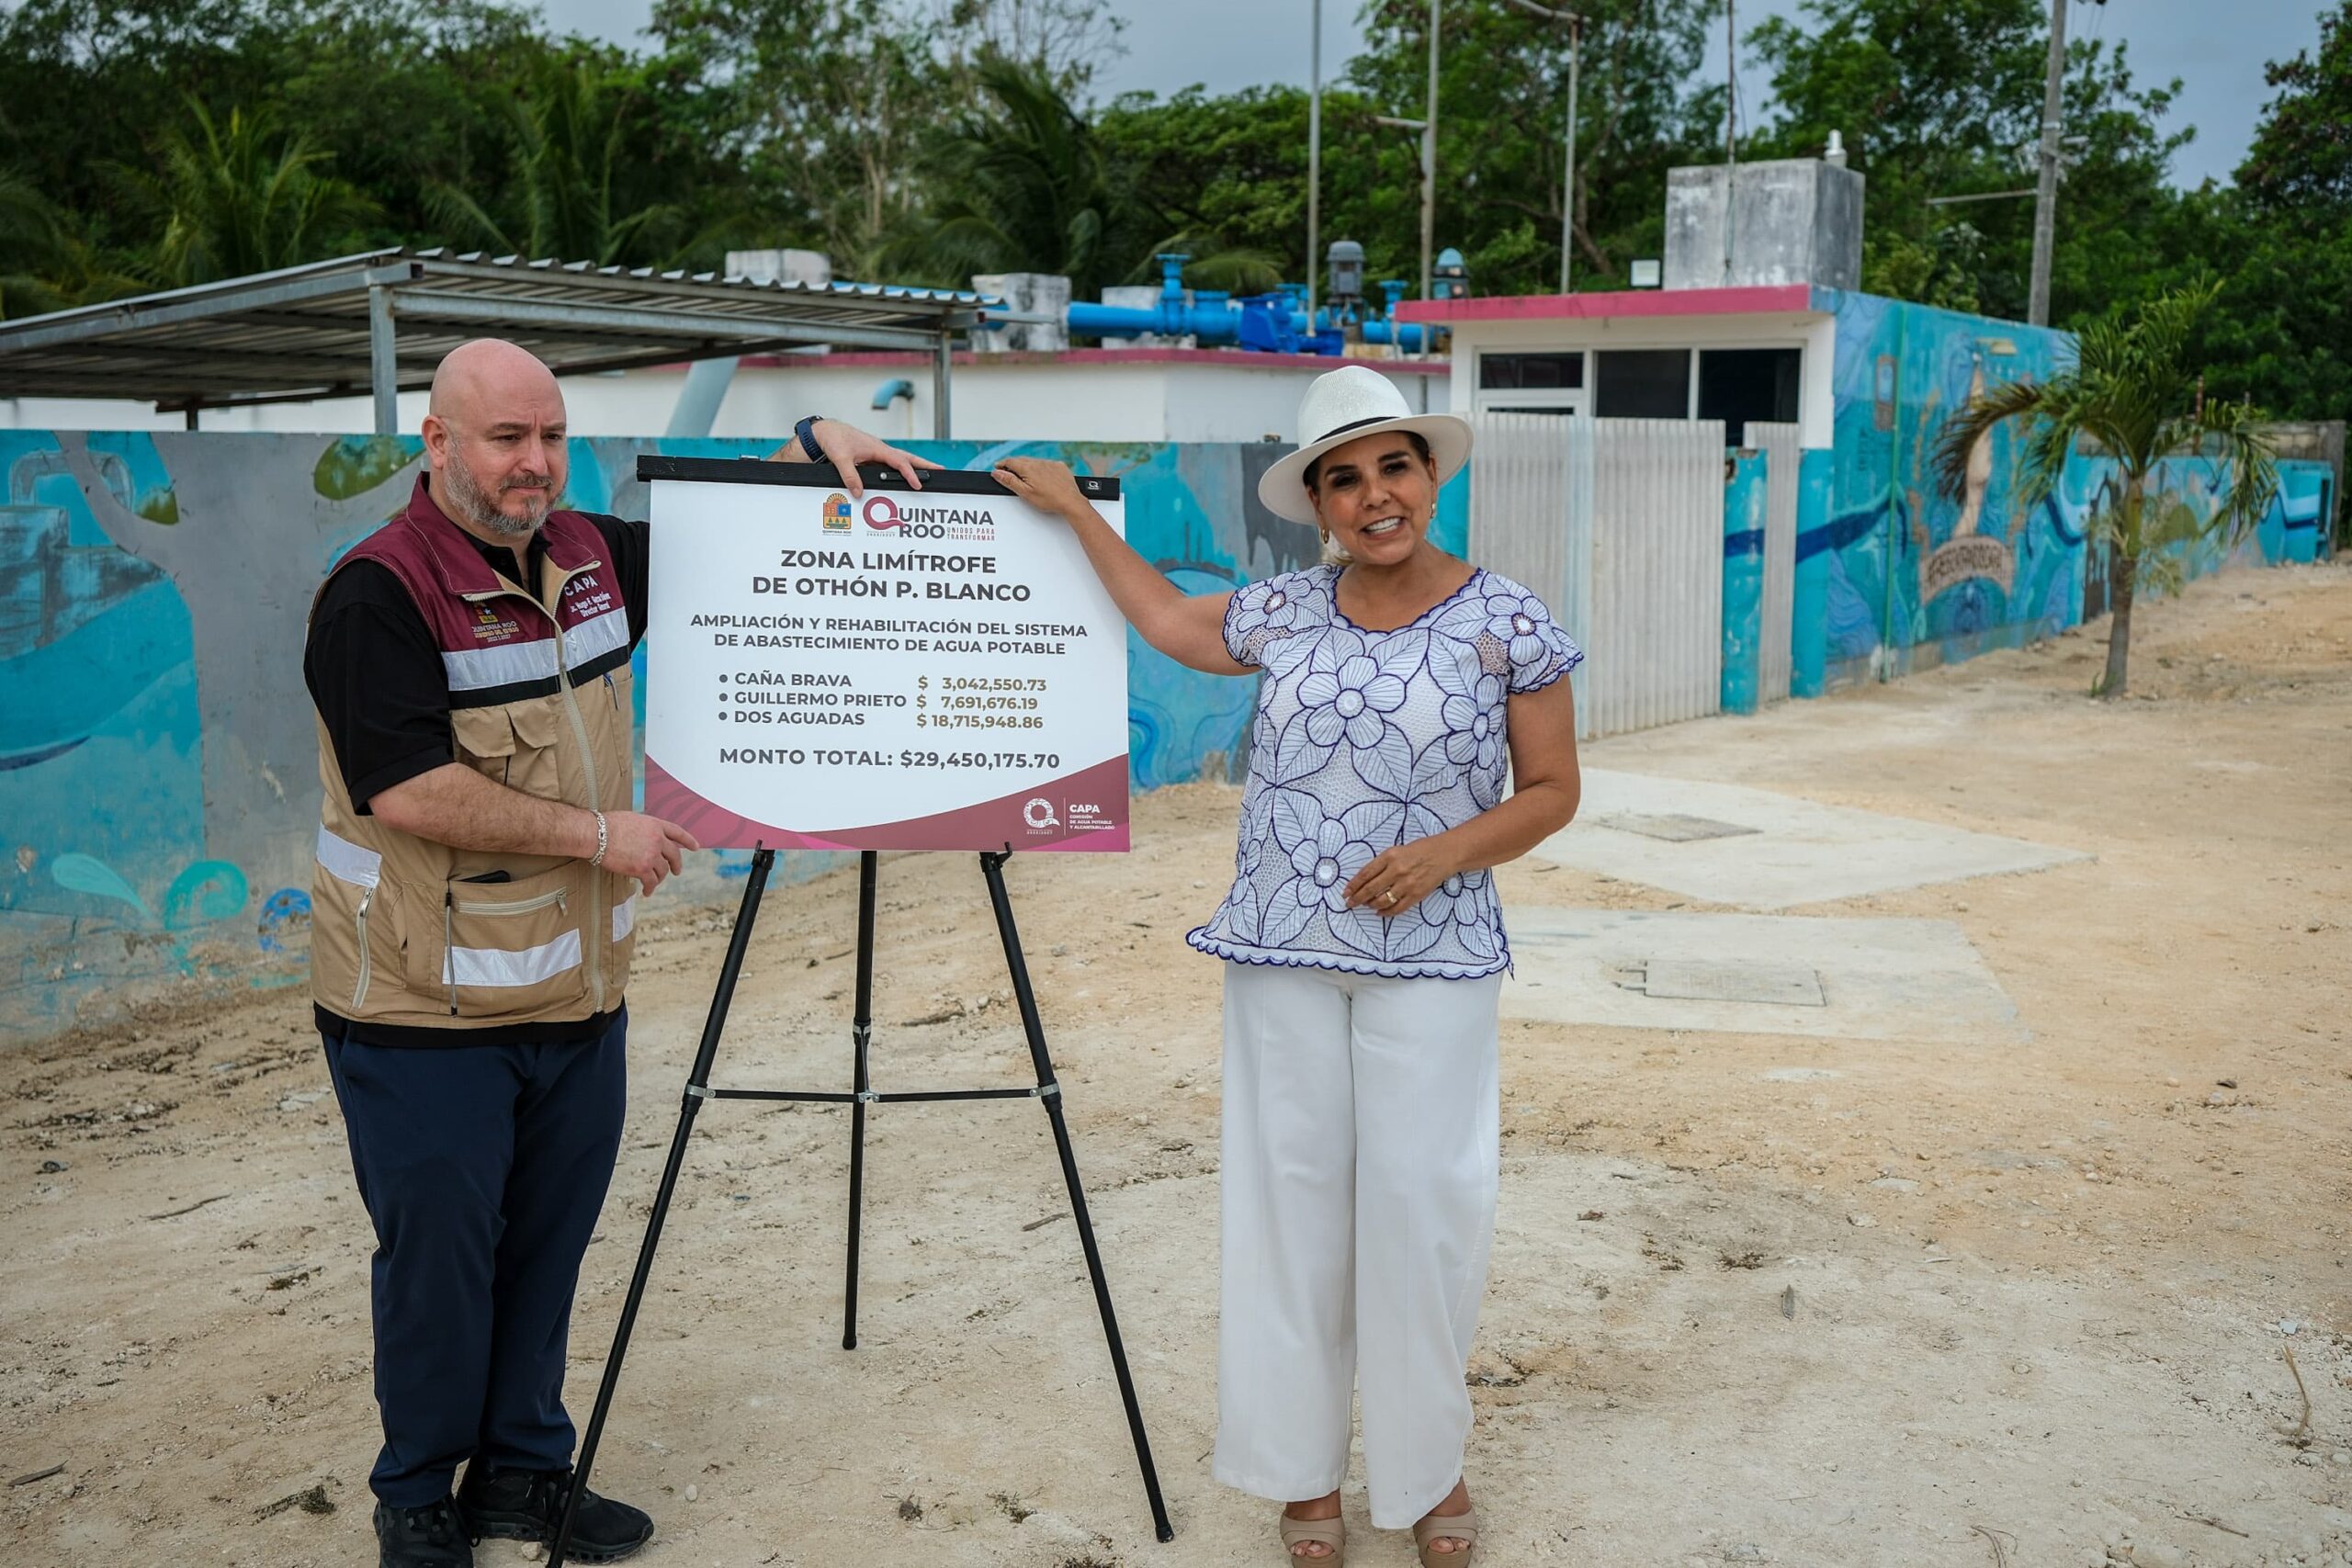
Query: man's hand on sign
845	447
644	848
1043	483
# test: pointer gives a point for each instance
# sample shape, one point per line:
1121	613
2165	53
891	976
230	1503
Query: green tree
2134	389
1955	109
46	262
1023	184
1502	98
1234	166
1228	176
568	187
823	103
1022	181
1065	42
2300	159
238	196
2289	342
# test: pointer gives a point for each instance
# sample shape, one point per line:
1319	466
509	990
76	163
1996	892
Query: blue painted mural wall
1743	500
158	775
1895	576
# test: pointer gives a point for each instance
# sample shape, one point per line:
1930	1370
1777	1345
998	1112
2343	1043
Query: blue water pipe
1270	323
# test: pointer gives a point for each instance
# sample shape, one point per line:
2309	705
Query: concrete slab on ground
1829	977
1732	844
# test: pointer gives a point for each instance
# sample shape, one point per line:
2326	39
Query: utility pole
1568	180
1313	161
1429	165
1568	217
1731	132
2045	204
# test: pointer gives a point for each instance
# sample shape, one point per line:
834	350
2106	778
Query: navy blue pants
483	1167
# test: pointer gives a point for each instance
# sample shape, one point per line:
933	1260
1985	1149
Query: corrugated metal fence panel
1781	455
1524	521
1519	499
1575	600
1618	525
1657	573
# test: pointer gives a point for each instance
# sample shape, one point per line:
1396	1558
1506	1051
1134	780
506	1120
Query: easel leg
697	1082
1049	1091
861	1033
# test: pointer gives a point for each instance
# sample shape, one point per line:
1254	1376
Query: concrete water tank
1787	221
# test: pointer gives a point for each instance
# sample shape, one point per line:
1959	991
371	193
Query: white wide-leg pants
1362	1147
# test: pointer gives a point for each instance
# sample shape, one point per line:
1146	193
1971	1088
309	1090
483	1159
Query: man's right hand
644	848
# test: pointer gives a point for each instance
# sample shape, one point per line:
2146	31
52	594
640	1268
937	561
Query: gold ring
1388	897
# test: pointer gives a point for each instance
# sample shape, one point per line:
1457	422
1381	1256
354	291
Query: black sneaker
430	1537
527	1504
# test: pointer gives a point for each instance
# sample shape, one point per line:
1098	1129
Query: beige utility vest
409	932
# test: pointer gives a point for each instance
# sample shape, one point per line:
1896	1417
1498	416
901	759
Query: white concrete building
1097	394
1760	353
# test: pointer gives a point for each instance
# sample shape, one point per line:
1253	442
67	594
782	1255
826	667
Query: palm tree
1028	186
571	131
235	198
2133	392
46	260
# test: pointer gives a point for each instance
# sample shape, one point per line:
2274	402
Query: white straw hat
1346	405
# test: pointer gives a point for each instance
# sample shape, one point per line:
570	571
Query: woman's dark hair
1314	468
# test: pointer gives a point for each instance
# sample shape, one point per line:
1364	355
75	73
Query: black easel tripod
1047	1091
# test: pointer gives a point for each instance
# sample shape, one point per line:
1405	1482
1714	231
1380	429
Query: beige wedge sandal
1447	1527
1332	1533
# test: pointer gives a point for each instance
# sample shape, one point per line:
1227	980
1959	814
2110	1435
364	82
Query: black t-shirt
376	675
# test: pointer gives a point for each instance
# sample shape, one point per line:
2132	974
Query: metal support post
1429	172
1314	160
1568	217
941	370
698	1089
1568	178
861	1032
383	362
1049	1090
697	1085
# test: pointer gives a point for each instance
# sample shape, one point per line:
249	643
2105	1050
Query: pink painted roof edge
1232	358
1773	299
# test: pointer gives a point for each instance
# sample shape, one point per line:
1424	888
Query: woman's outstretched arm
1187	629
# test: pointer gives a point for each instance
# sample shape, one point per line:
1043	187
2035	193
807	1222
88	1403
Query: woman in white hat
1398	687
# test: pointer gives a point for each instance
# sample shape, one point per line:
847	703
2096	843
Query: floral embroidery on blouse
1366	740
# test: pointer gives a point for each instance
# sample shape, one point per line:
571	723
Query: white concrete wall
1151	397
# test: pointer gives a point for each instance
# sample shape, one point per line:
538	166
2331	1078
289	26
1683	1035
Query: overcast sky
2217	47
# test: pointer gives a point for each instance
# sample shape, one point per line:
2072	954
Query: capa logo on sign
836	513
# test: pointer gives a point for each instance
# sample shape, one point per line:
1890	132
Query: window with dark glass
1643	383
1736	385
1530	372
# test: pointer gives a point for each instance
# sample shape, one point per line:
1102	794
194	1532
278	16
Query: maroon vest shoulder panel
465	605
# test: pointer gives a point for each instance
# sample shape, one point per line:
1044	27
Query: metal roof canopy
379	322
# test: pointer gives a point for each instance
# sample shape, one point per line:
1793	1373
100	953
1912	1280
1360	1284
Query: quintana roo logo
836	513
1039	814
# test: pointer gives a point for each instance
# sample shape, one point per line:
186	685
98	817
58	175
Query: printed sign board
917	669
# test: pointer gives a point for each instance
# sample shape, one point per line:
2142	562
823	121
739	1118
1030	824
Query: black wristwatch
805	432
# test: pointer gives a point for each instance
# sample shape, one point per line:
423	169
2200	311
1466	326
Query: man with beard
472	909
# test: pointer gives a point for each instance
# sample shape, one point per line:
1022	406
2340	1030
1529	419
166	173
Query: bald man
472	909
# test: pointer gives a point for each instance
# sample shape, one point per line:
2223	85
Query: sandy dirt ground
1755	1298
